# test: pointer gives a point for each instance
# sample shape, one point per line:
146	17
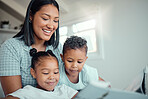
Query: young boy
75	73
46	72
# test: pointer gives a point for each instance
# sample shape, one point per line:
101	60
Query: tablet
95	91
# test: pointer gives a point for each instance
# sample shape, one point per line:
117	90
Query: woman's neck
39	46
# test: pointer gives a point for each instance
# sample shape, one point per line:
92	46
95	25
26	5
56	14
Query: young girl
46	72
75	73
41	31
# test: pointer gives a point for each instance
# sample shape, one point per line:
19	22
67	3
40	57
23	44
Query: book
95	91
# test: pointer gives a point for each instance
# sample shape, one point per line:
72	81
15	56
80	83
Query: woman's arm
10	83
10	97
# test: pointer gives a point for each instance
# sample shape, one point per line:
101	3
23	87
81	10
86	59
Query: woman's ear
32	71
30	18
61	56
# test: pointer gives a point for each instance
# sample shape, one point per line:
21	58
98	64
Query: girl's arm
10	83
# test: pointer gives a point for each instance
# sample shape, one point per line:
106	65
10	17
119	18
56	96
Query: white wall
4	36
125	40
4	16
13	23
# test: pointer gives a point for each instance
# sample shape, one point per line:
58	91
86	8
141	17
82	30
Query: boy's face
46	74
74	61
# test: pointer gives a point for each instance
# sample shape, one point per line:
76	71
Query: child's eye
69	60
45	73
80	62
56	21
56	72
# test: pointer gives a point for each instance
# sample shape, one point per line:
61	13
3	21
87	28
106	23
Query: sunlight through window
63	34
85	29
84	25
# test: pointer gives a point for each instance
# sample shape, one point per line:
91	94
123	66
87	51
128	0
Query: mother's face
45	22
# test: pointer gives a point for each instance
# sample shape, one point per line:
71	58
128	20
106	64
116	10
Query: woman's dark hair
38	56
27	32
75	42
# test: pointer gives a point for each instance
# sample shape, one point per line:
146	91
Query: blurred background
116	32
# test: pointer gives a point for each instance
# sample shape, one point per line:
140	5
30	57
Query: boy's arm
101	79
74	96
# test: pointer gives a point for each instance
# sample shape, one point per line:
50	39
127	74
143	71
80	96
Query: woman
40	31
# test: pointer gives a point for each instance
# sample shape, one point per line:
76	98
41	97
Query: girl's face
45	22
46	73
74	60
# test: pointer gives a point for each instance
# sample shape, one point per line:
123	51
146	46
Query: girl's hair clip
33	51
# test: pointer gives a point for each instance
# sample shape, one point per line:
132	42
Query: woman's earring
29	21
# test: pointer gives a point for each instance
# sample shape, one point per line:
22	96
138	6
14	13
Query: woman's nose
50	25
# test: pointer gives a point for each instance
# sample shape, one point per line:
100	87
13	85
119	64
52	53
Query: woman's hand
10	83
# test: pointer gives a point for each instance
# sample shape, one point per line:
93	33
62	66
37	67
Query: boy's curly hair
75	42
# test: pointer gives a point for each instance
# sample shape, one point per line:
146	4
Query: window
85	29
63	34
90	24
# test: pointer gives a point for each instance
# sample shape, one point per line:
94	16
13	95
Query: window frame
98	54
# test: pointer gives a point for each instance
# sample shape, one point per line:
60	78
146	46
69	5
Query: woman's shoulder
12	44
60	47
11	40
16	42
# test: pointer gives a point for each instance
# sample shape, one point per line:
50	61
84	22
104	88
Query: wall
13	23
7	17
125	32
6	35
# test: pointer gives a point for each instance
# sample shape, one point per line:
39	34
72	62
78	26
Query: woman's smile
46	32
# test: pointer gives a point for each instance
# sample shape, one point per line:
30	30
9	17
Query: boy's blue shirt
87	75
